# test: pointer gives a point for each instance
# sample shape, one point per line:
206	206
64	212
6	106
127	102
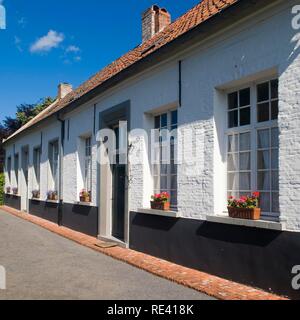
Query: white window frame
37	152
16	168
169	174
54	179
87	177
253	129
8	169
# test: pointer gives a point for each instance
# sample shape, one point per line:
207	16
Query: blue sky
52	41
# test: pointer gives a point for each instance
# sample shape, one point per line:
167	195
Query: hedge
1	188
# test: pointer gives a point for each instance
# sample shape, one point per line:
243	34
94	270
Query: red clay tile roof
194	17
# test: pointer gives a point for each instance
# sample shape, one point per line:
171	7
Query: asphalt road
42	265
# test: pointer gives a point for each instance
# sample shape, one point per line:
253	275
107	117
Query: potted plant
246	207
52	195
15	191
161	201
8	190
85	196
36	194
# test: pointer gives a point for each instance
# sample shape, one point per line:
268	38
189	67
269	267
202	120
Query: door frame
107	120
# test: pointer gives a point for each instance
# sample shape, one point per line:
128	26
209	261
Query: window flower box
85	196
247	207
161	201
52	195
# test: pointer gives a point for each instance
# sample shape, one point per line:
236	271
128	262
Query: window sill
170	214
52	201
86	204
261	224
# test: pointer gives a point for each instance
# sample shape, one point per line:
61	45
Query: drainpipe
60	174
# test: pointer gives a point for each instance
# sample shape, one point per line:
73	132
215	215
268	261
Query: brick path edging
211	285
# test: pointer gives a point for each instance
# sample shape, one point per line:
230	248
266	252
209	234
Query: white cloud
22	22
18	42
47	42
72	49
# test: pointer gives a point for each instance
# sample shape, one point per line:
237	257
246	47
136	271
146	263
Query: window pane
173	152
233	162
174	182
274	109
265	202
233	119
164	120
164	169
263	180
275	180
275	202
274	89
174	117
156	170
245	141
275	158
157	122
275	137
263	112
233	181
245	97
173	168
263	160
163	182
263	139
245	117
245	181
233	100
174	199
232	143
245	161
156	184
263	92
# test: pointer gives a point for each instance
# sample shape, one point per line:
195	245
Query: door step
106	245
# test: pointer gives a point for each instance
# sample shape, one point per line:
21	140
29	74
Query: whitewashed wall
260	46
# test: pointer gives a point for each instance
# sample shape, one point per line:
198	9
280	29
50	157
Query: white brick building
231	75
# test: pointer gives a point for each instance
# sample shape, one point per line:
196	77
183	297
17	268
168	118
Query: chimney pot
63	90
154	20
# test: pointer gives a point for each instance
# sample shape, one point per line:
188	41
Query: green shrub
1	188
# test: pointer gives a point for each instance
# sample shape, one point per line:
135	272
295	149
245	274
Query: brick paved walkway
200	281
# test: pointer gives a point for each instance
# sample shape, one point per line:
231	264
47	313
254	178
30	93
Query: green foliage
1	188
25	113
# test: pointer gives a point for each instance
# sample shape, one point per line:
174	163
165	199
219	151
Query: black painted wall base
257	257
79	218
12	201
44	210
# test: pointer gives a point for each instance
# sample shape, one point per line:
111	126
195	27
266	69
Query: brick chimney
63	90
154	20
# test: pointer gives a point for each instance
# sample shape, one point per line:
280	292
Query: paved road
42	265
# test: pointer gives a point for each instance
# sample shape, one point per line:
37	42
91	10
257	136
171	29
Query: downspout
60	174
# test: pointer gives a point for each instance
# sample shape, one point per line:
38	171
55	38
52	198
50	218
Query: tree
25	113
